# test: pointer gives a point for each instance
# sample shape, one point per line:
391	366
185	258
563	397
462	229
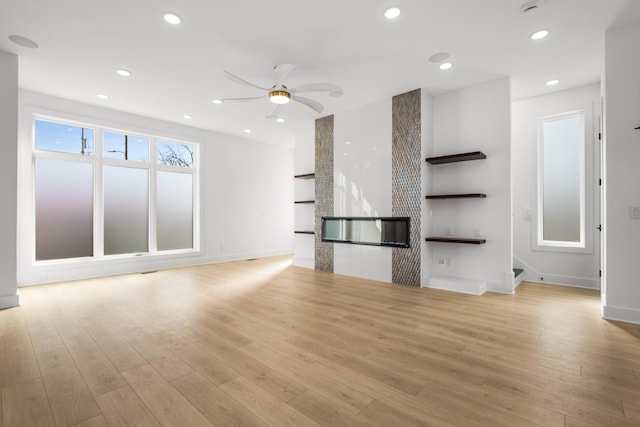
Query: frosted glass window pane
561	168
64	209
63	138
127	147
175	211
174	154
126	210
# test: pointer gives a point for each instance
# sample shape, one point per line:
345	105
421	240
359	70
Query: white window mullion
153	191
98	197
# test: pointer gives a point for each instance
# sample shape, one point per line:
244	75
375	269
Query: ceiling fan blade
238	80
280	72
314	105
318	87
274	115
243	99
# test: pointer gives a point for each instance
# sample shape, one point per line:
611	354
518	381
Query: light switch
634	212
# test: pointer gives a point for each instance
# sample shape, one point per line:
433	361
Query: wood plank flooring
262	343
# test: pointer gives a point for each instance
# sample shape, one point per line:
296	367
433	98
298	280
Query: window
561	184
101	193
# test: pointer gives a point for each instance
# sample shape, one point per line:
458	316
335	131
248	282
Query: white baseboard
530	274
456	284
9	301
103	268
506	287
621	314
573	282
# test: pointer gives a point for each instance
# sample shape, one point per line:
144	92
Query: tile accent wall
406	182
324	190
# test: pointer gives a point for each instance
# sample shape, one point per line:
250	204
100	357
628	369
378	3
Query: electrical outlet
448	262
448	231
441	261
526	214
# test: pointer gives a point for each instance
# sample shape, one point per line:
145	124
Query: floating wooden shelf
297	202
452	158
456	240
456	196
304	232
306	176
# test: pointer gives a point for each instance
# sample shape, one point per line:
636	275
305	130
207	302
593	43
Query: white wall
362	184
476	118
558	266
8	177
304	189
621	290
246	191
426	117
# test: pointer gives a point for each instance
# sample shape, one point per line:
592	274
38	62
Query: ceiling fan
280	94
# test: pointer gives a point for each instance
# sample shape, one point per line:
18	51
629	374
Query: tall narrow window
64	174
126	210
64	209
175	210
561	198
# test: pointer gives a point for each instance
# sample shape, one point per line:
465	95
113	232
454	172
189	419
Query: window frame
585	245
99	161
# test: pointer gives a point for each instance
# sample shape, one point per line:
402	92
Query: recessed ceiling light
348	142
171	18
103	96
217	101
553	82
439	57
280	120
538	35
186	116
247	131
23	41
392	13
446	65
124	73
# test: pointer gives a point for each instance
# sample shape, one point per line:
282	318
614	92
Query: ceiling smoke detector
530	6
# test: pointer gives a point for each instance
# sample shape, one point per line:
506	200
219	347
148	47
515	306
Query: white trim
9	301
457	284
132	265
585	245
621	314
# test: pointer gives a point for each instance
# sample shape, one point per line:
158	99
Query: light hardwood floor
262	343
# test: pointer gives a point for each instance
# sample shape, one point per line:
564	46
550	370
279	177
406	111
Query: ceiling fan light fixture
279	97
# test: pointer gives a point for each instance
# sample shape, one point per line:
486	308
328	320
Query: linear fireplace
377	231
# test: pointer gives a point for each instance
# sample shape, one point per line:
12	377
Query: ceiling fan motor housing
279	96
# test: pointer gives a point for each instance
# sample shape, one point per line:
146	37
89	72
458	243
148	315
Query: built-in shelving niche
304	202
453	158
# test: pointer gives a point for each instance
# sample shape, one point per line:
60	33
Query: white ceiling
178	70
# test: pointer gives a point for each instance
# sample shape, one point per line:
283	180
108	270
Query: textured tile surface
406	169
324	190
